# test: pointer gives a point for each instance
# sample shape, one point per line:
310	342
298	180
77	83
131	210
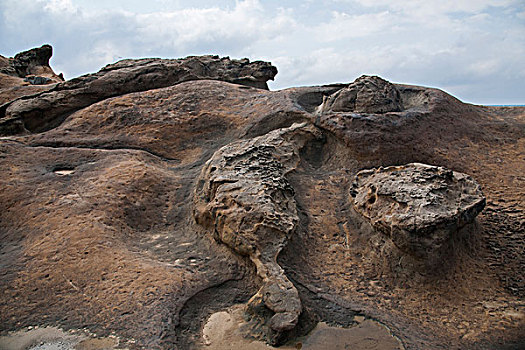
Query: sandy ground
223	332
51	338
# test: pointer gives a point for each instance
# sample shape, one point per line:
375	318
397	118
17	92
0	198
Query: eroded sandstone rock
25	74
367	94
49	109
420	207
97	218
34	62
243	195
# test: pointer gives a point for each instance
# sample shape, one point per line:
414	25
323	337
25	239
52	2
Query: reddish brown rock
47	110
97	225
26	74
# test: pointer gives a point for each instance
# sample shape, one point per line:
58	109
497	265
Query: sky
473	49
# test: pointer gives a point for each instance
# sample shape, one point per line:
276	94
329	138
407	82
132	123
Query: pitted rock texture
35	62
97	213
367	94
418	206
47	110
244	197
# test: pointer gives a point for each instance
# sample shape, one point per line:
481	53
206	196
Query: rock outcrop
418	206
26	74
35	63
367	94
32	63
139	200
49	109
245	199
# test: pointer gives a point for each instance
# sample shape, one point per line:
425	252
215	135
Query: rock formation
419	207
367	94
47	110
32	63
139	200
243	196
27	73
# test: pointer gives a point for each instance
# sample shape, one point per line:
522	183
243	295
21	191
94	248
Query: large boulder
420	207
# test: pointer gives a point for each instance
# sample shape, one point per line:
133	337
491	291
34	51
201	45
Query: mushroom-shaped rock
243	195
420	207
367	94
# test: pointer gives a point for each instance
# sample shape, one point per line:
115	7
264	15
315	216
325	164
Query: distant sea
505	105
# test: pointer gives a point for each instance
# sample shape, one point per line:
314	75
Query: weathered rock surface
420	207
244	197
97	212
35	62
26	74
367	94
49	109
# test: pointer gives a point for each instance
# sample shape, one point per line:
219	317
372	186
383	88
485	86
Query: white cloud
60	6
457	45
436	7
196	28
343	25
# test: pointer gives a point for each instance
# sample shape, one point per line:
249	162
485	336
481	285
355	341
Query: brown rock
367	94
97	214
34	64
47	110
243	196
26	74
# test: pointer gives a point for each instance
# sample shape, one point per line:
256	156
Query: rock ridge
48	109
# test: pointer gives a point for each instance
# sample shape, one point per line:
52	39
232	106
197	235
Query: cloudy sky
473	49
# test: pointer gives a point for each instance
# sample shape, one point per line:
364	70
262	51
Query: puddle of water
64	172
222	332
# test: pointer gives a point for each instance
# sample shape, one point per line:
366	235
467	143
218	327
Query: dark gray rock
25	61
37	80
